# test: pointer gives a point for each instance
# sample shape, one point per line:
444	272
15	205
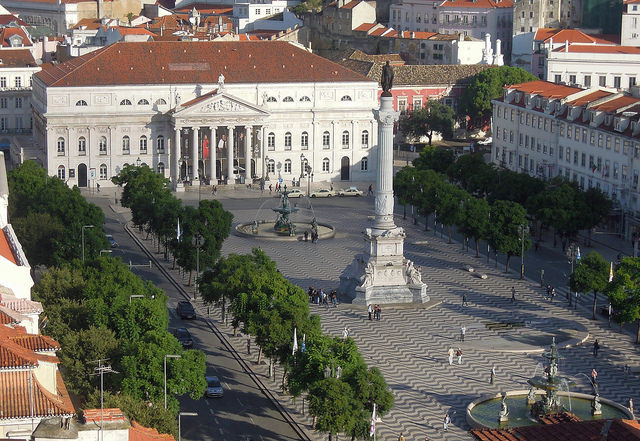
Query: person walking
465	301
596	348
459	355
378	311
630	405
553	294
451	353
248	346
594	377
370	311
401	437
370	192
98	186
513	294
345	333
463	332
334	298
446	422
493	374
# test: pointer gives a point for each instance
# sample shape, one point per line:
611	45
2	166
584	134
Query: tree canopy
590	274
624	292
434	117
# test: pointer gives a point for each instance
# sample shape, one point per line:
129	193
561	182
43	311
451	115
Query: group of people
551	293
374	311
319	297
314	235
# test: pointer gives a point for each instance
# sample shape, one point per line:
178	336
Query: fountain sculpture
283	224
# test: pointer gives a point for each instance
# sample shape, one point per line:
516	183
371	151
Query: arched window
126	145
305	99
287	141
326	139
161	168
143	145
125	102
81	103
287	166
365	139
160	102
345	139
271	141
345	98
143	102
325	165
82	145
103	145
160	143
287	99
272	99
103	171
364	164
304	141
61	173
271	166
60	146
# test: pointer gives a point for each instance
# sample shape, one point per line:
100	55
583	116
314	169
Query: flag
578	255
295	341
178	231
304	344
611	272
372	430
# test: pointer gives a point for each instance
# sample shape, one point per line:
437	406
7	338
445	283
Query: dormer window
607	120
345	98
272	99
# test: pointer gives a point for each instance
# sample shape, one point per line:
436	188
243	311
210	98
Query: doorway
82	175
344	169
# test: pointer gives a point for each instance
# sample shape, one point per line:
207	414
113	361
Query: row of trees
341	390
158	212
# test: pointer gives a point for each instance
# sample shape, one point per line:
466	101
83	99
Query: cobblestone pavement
409	345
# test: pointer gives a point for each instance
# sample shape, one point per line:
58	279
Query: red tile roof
140	433
37	342
18	349
619	430
545	88
5	249
133	31
613	105
20	392
594	49
490	4
364	27
586	99
572	36
5	19
109	414
193	62
6	319
17	58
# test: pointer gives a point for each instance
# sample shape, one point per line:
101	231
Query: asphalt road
244	413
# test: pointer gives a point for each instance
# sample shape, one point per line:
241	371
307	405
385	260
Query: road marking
211	411
261	437
226	384
221	431
251	419
240	402
216	420
208	404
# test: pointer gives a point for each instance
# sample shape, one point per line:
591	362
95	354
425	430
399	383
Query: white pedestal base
179	187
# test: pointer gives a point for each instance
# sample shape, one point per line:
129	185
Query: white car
294	193
323	193
351	191
487	141
214	387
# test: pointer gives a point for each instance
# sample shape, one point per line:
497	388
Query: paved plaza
410	343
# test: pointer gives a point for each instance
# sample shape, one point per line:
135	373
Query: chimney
413	34
100	9
566	45
401	34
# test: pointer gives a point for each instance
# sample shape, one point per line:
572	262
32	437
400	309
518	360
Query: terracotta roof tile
490	4
590	97
573	36
364	27
195	62
545	89
613	105
6	319
5	249
352	4
16	399
23	306
37	342
108	414
5	19
596	49
140	433
619	430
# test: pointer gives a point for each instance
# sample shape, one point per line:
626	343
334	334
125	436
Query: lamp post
522	231
572	254
135	296
105	251
83	227
181	414
165	375
266	164
302	167
197	242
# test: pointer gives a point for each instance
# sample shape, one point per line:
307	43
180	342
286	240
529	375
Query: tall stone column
194	156
175	158
212	154
248	139
384	179
230	179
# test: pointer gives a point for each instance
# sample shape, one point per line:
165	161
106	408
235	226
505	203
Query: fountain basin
266	231
483	412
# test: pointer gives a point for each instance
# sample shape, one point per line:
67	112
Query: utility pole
101	370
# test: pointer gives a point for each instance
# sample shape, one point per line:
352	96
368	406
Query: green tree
429	185
624	292
488	85
404	187
590	274
448	204
332	404
503	236
474	219
465	168
598	206
434	117
555	208
436	159
37	233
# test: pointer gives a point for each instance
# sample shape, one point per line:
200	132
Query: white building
169	104
630	32
590	136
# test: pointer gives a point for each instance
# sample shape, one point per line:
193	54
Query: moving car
295	193
323	193
214	388
184	337
185	310
112	241
351	191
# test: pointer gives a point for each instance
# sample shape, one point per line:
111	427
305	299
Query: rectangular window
583	160
3	103
587	81
417	103
602	80
560	153
4	123
557	79
584	136
576	134
616	145
632	82
18	103
402	104
3	81
617	81
18	81
572	79
592	137
608	142
287	166
520	139
304	141
600	140
576	156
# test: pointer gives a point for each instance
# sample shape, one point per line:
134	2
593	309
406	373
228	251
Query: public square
410	343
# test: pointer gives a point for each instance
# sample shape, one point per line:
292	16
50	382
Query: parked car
214	387
323	193
112	241
184	337
294	193
185	310
351	191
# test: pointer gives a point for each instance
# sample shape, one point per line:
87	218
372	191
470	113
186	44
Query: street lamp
105	251
165	375
181	414
522	231
573	250
135	296
197	242
266	164
83	227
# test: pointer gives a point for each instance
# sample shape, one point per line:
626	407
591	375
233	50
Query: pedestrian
270	188
249	346
463	331
331	186
370	311
630	405
334	298
370	192
541	278
493	374
464	300
596	348
98	186
446	422
459	355
401	437
513	293
306	235
553	294
594	377
345	333
548	291
451	353
378	311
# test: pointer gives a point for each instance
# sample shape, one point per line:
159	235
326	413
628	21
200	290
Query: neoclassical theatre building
193	110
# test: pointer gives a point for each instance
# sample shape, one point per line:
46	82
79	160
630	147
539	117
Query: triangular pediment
219	103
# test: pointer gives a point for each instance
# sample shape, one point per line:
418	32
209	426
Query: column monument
381	274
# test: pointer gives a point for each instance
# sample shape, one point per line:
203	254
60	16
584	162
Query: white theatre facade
193	110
